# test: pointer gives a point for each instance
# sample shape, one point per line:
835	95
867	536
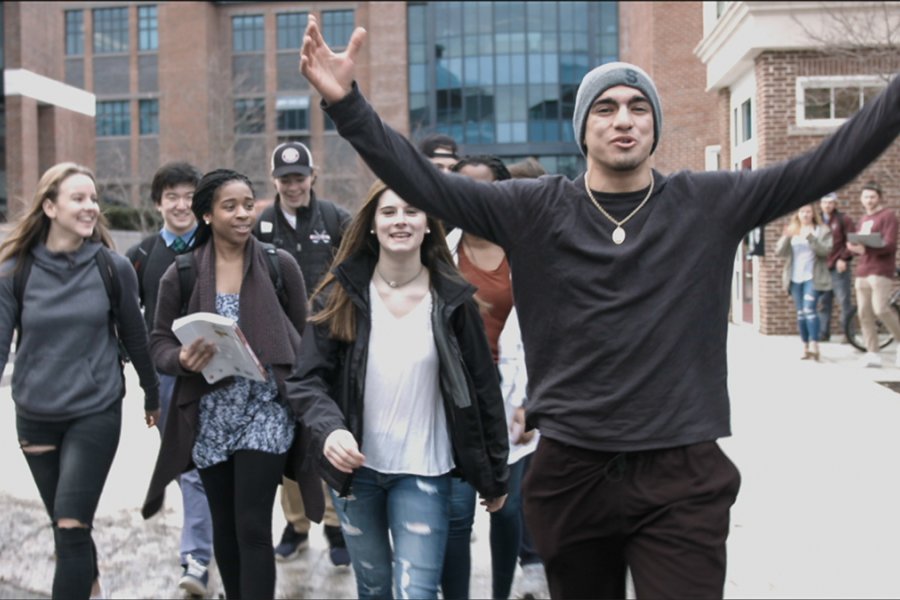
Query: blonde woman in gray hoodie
67	384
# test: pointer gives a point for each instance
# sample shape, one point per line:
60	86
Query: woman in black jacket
397	388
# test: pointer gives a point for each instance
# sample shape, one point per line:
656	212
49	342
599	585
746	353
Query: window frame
121	33
154	117
832	82
245	32
74	37
327	34
148	26
101	118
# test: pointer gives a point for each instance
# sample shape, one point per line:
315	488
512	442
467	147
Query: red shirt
879	261
494	291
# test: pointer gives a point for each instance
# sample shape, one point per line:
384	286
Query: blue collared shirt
169	237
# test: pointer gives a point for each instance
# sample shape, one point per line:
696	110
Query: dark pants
663	513
70	479
241	492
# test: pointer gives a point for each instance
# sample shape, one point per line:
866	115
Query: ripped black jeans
70	478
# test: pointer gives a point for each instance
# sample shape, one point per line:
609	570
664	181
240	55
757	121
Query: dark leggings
70	478
241	492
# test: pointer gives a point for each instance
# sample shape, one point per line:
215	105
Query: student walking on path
622	282
239	433
76	298
397	387
805	244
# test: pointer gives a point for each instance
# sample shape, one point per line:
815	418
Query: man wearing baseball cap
310	229
622	282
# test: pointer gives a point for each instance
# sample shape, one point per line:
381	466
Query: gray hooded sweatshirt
67	364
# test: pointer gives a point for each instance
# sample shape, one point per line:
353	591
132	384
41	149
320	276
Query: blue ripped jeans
410	509
805	299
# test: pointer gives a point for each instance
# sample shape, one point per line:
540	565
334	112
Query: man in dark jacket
838	265
310	229
623	304
171	191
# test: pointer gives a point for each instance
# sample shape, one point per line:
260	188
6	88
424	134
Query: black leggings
70	478
241	492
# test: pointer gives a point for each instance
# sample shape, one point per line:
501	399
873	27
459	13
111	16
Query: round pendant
618	235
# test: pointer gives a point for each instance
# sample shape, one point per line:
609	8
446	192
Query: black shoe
291	545
337	548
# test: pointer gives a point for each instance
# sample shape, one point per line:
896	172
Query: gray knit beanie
610	75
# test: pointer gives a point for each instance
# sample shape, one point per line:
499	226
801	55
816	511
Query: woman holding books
238	432
806	244
397	387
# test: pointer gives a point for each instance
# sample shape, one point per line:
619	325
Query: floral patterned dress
244	415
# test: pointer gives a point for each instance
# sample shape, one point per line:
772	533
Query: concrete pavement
817	516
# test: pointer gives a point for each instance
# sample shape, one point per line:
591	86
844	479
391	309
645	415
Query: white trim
830	81
712	158
22	82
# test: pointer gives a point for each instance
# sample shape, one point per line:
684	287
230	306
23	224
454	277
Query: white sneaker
533	585
870	359
195	577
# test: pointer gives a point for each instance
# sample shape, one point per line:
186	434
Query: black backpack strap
114	292
275	274
20	279
332	218
187	277
142	256
271	217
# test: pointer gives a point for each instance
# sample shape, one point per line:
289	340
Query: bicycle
853	331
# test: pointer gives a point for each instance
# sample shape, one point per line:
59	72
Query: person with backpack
310	229
171	190
240	434
75	304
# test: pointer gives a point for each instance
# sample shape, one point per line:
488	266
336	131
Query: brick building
783	88
217	83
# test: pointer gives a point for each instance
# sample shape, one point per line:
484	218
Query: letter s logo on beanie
631	77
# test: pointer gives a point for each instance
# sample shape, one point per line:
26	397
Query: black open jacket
327	386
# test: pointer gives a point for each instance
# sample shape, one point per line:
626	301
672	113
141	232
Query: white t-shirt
803	260
404	423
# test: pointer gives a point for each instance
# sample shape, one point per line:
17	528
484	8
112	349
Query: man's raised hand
330	74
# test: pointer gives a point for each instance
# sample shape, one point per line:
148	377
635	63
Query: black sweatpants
663	513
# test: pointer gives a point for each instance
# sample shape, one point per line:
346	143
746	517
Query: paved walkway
817	445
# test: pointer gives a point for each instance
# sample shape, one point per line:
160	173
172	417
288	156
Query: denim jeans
412	511
805	298
840	283
505	537
196	530
70	479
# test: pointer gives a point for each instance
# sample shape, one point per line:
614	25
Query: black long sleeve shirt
625	344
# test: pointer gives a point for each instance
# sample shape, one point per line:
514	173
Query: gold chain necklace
396	284
618	234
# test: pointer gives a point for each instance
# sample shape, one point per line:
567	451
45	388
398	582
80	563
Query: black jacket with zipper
327	386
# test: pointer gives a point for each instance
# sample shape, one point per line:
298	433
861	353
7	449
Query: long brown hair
34	225
339	311
794	224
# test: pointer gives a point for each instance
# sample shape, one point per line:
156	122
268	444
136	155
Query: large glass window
113	118
110	30
148	33
504	73
148	113
337	25
247	33
249	115
74	32
290	28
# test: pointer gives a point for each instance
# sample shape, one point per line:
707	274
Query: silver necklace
618	234
400	284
